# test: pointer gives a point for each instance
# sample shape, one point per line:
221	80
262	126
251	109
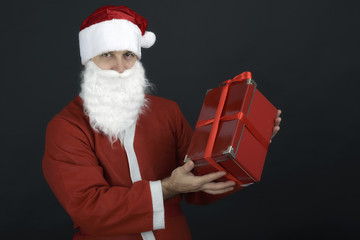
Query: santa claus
114	154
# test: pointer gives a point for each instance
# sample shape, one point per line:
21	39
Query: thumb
188	166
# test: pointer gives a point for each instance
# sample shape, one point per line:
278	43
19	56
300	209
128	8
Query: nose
119	65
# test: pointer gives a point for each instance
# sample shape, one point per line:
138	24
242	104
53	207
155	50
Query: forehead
118	51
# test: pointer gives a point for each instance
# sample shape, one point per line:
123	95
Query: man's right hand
182	180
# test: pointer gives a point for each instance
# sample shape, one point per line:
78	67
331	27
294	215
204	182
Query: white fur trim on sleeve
148	235
158	205
155	186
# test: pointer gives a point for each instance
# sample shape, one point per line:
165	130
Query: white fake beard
113	100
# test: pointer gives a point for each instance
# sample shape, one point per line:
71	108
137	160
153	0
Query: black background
304	55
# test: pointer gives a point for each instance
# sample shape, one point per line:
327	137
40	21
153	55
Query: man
114	155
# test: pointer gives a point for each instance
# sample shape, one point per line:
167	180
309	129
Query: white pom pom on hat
113	28
148	39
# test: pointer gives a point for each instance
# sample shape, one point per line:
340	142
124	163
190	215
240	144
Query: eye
129	55
106	55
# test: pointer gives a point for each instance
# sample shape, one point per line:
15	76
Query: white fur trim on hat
111	35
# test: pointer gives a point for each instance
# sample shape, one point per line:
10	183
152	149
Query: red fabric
91	178
109	12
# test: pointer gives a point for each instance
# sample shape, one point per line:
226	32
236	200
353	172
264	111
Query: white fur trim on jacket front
155	186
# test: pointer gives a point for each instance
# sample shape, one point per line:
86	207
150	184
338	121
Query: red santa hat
113	28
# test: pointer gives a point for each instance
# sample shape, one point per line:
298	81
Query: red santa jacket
90	176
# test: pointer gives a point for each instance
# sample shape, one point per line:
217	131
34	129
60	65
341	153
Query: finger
188	166
277	121
210	177
275	131
215	192
218	185
278	113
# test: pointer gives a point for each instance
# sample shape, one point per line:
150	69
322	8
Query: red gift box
233	131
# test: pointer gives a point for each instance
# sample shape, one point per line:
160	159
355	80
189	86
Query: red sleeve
76	178
183	136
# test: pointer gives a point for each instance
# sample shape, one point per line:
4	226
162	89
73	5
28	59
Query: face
115	60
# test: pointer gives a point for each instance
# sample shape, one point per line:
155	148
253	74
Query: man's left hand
277	124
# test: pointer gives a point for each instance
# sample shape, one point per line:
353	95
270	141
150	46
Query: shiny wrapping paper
233	131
